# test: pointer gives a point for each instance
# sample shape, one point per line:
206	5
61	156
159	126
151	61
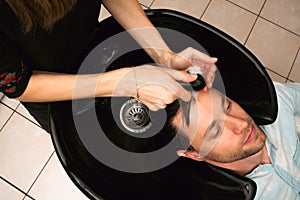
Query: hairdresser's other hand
156	86
192	57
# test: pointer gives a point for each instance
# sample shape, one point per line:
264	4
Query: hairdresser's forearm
132	17
47	87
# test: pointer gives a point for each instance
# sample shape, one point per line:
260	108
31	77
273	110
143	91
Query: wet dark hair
158	140
43	13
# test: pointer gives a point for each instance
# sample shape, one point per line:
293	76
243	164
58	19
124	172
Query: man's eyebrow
211	125
223	100
186	109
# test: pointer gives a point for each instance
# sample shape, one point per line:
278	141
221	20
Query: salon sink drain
135	116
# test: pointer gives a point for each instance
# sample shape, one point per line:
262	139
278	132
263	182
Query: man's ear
190	154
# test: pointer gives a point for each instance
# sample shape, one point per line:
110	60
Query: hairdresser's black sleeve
14	75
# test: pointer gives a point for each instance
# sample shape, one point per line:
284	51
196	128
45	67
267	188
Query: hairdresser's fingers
154	107
178	90
156	96
205	89
197	57
190	57
204	63
210	75
162	83
180	75
158	106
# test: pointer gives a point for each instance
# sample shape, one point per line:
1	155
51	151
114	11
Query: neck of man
265	156
246	165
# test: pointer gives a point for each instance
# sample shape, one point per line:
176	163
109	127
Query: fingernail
187	97
214	59
194	76
181	154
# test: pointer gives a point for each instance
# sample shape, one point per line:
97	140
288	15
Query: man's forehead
213	96
216	93
202	105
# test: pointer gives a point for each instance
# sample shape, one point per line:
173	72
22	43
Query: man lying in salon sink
221	133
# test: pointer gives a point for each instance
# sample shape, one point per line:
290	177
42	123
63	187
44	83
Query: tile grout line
271	70
147	7
252	28
294	61
259	16
14	112
205	9
40	173
8	117
11	184
27	117
261	9
229	1
11	107
151	4
28	197
274	23
14	186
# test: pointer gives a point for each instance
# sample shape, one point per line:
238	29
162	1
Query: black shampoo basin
79	146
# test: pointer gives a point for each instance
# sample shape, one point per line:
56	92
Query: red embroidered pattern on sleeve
10	79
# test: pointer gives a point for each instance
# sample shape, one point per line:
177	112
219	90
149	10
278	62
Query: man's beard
239	154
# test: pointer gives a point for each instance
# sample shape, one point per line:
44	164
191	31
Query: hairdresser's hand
154	86
192	57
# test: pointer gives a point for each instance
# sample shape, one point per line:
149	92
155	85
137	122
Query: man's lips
251	135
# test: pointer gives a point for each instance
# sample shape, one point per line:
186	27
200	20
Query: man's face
220	130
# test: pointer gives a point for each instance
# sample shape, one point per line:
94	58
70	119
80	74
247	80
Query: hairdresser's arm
49	86
46	87
132	17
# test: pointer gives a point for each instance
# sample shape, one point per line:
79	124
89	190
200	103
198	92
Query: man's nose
236	124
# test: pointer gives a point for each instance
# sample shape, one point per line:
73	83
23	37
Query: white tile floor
29	167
